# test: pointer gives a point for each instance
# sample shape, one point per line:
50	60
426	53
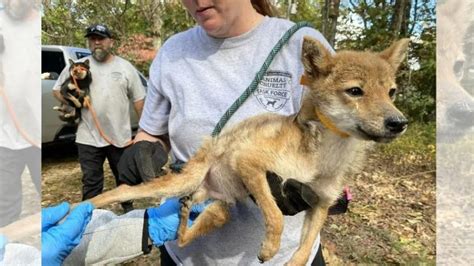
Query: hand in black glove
294	197
141	162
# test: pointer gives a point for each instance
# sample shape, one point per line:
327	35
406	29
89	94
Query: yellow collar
324	119
329	125
304	80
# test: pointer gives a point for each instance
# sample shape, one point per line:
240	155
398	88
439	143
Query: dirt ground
390	220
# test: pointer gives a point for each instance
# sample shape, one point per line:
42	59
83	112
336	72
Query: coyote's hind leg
169	185
214	216
158	188
123	193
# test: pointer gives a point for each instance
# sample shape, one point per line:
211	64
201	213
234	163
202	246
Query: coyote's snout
349	104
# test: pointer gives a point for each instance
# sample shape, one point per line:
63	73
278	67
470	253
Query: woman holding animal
195	77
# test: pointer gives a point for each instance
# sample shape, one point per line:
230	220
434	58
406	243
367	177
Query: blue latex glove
3	243
58	240
163	221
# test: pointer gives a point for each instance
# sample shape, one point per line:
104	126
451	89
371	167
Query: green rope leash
258	77
177	166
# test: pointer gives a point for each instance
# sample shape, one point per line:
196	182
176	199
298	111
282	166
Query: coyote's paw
186	202
267	251
184	199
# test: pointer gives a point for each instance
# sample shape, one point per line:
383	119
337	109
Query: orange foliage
139	49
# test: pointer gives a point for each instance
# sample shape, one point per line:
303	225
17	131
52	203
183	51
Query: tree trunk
325	14
330	15
333	15
400	18
404	31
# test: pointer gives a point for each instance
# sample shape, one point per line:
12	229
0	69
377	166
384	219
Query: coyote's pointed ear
395	53
70	61
86	62
315	58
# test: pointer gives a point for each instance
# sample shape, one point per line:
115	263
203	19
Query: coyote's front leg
314	221
254	178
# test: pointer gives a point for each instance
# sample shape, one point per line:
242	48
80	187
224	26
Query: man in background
114	83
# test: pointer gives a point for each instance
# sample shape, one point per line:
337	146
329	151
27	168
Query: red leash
88	105
14	118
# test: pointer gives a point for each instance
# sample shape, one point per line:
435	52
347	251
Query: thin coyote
349	104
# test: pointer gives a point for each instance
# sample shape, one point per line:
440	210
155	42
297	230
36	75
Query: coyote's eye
392	92
355	91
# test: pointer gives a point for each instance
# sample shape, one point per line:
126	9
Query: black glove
141	162
294	197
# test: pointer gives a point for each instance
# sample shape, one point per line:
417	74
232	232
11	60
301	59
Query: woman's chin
213	27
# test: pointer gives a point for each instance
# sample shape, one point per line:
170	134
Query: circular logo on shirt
116	76
273	91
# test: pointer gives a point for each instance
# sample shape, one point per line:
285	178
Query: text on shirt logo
273	91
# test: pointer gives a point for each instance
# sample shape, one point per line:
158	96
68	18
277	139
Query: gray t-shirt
113	85
193	80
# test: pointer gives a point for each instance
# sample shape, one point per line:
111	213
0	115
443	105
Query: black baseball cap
98	29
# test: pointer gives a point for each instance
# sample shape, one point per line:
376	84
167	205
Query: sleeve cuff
146	241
